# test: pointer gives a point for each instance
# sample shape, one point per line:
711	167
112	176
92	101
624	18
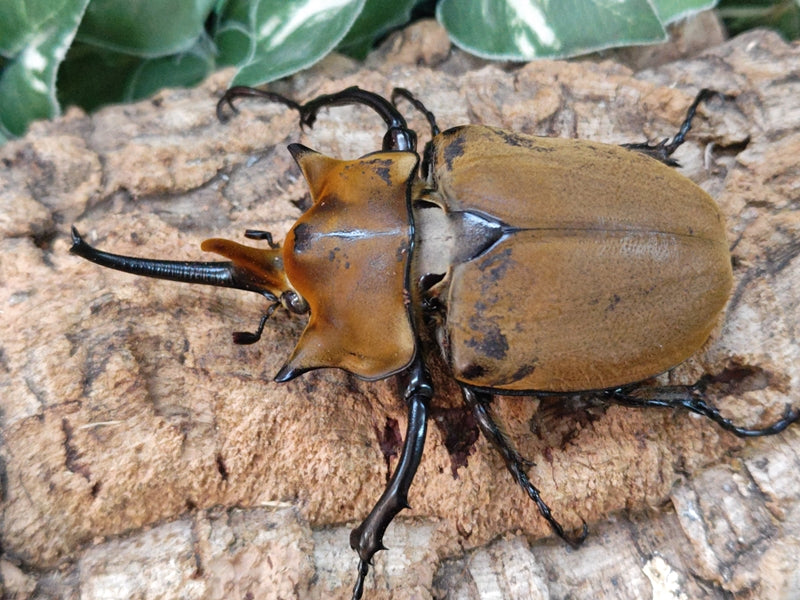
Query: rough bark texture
145	456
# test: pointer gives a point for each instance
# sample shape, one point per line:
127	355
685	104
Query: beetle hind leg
479	403
690	397
662	151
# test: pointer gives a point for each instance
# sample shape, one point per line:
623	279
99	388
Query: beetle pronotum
591	269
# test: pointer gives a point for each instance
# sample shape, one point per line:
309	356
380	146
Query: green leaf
281	36
178	70
670	11
781	15
91	77
27	83
377	18
22	20
528	29
148	29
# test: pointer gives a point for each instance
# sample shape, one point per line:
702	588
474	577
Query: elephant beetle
531	264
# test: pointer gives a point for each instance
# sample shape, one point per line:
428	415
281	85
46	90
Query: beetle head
261	270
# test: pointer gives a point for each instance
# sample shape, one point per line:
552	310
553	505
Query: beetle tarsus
244	338
241	91
367	538
690	397
663	150
479	403
358	588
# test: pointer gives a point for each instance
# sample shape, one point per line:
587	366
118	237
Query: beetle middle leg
480	402
691	398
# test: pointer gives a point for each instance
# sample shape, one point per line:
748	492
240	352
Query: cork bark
143	455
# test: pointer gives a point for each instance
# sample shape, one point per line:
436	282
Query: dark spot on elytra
496	264
473	371
512	139
521	373
489	340
302	233
524	371
453	148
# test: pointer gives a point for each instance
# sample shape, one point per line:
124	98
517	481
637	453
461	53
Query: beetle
531	264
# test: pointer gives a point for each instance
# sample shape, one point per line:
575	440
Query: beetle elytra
531	264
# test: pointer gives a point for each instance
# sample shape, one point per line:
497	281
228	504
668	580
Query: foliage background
56	53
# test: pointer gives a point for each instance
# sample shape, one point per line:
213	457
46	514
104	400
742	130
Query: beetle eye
294	302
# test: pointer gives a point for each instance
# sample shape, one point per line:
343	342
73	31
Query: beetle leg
399	92
427	156
397	137
367	538
663	150
691	397
479	403
241	91
245	337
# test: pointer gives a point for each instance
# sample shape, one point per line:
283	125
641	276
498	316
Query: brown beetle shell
348	257
612	268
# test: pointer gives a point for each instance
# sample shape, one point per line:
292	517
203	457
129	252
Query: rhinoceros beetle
531	264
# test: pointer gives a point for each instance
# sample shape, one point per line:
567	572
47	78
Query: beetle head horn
258	269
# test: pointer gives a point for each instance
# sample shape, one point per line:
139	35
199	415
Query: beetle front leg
398	136
367	538
691	398
479	403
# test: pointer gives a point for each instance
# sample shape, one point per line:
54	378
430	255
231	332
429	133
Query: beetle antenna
479	403
241	91
244	338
